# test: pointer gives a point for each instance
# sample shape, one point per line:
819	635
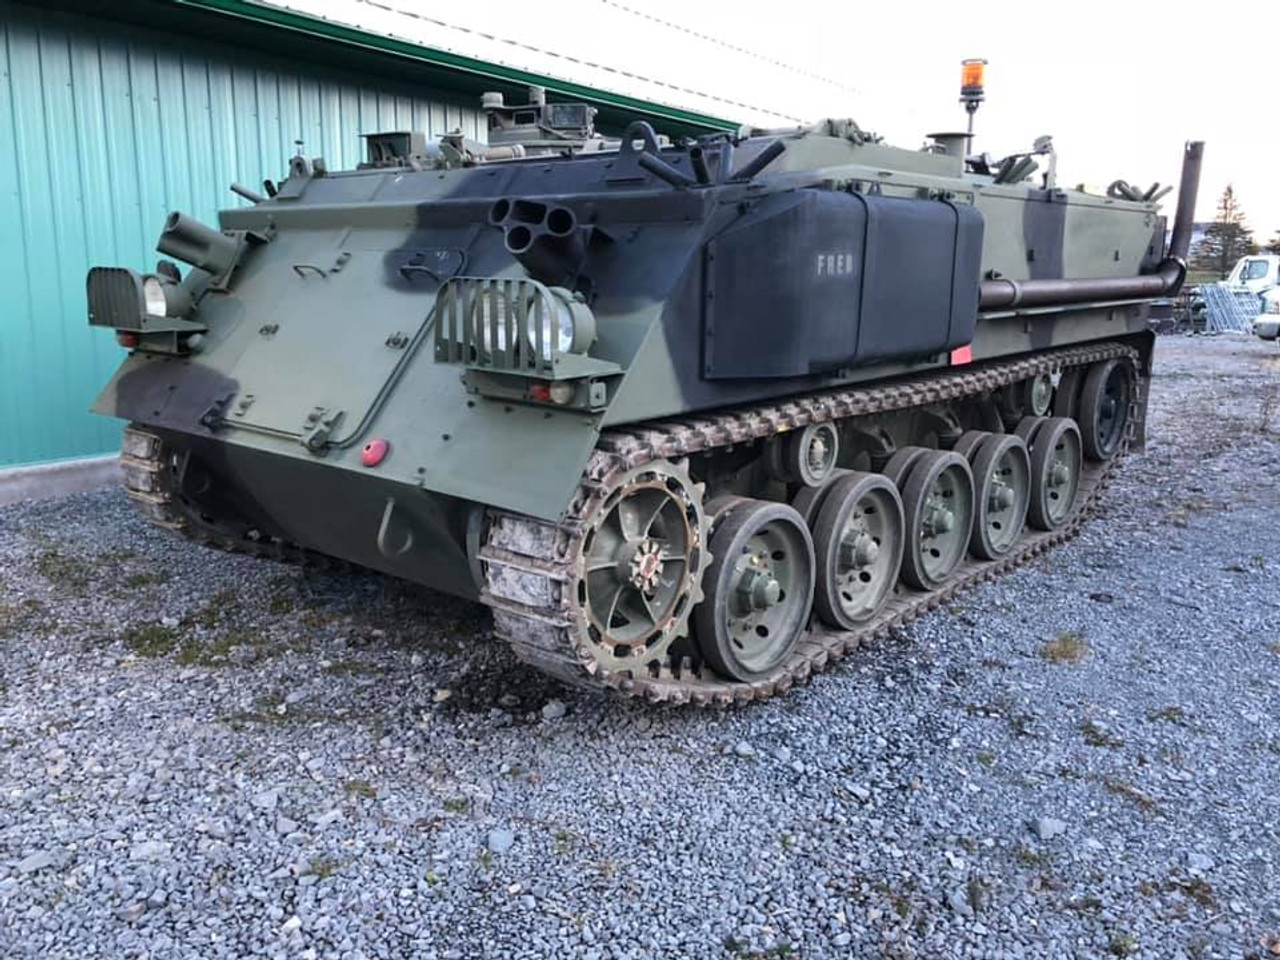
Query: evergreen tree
1274	245
1226	240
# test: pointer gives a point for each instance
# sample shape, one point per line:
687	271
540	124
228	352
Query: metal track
529	564
152	478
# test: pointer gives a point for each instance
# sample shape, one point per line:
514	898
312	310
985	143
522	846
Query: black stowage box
813	280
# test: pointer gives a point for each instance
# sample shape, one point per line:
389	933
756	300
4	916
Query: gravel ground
212	756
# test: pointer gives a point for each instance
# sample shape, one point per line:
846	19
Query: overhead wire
542	51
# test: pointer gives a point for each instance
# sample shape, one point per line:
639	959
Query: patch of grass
1174	714
1274	648
1127	791
344	668
457	805
136	580
1087	904
977	892
62	570
318	618
1123	945
193	653
15	616
565	841
361	788
215	610
1096	736
323	867
271	711
1003	707
485	859
986	758
1033	858
1066	647
280	605
153	640
1197	888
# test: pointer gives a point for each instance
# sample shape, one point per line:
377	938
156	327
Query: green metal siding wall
103	131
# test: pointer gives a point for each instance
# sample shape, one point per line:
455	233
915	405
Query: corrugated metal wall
103	131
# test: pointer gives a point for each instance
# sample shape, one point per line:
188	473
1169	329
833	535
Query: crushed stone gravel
211	756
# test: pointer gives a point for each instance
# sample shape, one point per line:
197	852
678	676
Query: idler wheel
858	541
937	503
1002	493
759	588
1055	473
807	456
1038	394
641	566
1104	408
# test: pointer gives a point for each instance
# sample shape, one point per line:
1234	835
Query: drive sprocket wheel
639	571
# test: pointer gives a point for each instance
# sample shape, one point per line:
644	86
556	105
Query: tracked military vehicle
693	419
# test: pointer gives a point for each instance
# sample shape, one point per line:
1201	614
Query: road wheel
759	589
937	504
858	541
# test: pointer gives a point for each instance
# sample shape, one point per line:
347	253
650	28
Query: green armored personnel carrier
692	419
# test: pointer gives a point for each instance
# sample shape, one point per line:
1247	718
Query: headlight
127	300
153	298
567	323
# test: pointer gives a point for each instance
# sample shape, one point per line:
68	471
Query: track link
152	478
529	564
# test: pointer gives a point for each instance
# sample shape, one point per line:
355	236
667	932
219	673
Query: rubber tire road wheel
1066	396
1057	437
916	498
991	456
850	593
732	539
1094	398
1027	427
968	443
900	464
809	500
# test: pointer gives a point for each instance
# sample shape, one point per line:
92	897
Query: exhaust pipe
1001	294
1188	188
1165	281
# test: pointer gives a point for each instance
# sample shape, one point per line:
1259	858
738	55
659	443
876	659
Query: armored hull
692	420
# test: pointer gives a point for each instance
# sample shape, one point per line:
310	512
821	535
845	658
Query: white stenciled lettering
835	264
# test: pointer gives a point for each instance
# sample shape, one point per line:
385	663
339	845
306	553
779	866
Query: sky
1120	85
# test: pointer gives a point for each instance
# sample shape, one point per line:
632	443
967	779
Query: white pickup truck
1260	274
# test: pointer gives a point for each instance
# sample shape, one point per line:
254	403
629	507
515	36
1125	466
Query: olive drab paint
481	313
